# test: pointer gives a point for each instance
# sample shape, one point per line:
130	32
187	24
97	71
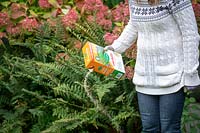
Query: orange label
101	61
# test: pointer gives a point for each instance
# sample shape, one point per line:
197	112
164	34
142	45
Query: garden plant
44	85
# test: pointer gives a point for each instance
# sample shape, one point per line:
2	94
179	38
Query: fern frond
77	120
34	78
88	32
35	94
35	129
4	100
96	31
78	36
73	91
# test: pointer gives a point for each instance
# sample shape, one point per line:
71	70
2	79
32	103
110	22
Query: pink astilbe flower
196	8
45	4
13	29
2	34
129	72
80	4
93	5
29	24
77	44
70	18
99	16
103	21
121	13
18	10
106	24
105	10
131	52
91	18
95	12
109	38
52	22
61	56
4	19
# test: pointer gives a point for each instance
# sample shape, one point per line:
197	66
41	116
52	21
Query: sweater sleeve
127	37
184	15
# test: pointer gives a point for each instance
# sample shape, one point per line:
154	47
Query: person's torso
159	44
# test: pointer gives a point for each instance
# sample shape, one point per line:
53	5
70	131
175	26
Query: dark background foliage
45	87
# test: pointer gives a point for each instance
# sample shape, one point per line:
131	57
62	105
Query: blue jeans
161	113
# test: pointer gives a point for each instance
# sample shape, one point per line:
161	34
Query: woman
167	59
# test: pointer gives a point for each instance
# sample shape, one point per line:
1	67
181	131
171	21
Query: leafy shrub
43	82
48	91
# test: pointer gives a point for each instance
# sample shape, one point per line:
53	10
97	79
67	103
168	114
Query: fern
60	95
70	92
70	123
88	32
4	100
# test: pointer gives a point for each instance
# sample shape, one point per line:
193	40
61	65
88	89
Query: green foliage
112	3
48	93
88	32
191	118
41	91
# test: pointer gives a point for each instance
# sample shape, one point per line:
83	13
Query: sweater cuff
117	46
191	79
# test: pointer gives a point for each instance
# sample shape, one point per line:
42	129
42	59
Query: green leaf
31	1
65	11
71	2
198	125
193	130
47	15
195	116
54	3
101	92
119	98
119	24
192	100
33	13
5	4
46	49
13	0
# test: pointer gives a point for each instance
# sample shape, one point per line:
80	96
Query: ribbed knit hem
160	91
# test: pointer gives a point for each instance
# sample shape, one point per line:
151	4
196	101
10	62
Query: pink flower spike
109	38
29	24
129	72
44	4
13	30
70	18
4	19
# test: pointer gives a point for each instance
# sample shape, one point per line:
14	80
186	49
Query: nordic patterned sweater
167	45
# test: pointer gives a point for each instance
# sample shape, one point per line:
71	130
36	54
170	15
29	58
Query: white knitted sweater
167	45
